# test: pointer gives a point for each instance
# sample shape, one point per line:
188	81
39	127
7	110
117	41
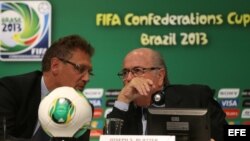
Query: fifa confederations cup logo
24	29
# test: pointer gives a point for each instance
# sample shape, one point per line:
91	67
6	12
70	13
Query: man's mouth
80	88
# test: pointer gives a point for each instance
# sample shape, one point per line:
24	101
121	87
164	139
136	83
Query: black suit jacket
19	101
178	96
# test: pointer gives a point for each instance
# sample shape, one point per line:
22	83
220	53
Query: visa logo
96	102
229	102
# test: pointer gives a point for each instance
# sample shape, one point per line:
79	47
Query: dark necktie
139	119
141	112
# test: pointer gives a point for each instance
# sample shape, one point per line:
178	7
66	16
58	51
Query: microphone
158	98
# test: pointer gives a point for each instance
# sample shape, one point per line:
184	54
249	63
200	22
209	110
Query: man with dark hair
66	63
144	74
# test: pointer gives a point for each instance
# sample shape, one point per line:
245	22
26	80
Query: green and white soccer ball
65	112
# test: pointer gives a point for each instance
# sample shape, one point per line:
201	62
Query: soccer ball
65	112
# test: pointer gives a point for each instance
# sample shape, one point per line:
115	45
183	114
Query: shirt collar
44	90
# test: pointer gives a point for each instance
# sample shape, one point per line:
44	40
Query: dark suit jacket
19	101
178	96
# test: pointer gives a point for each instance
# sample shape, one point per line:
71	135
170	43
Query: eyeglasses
82	69
136	71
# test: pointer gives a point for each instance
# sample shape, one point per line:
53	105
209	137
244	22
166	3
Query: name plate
136	138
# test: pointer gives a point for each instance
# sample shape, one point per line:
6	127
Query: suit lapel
35	98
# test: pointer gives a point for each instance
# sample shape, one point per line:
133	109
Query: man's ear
54	65
161	75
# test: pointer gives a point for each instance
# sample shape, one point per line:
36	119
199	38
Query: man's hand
138	86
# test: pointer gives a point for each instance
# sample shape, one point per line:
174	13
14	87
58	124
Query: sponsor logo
98	112
246	122
107	111
110	102
96	133
97	124
93	93
229	93
96	102
229	103
230	122
94	124
245	113
232	113
112	92
246	93
246	103
235	122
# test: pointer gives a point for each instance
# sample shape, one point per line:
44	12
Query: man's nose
85	77
130	76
